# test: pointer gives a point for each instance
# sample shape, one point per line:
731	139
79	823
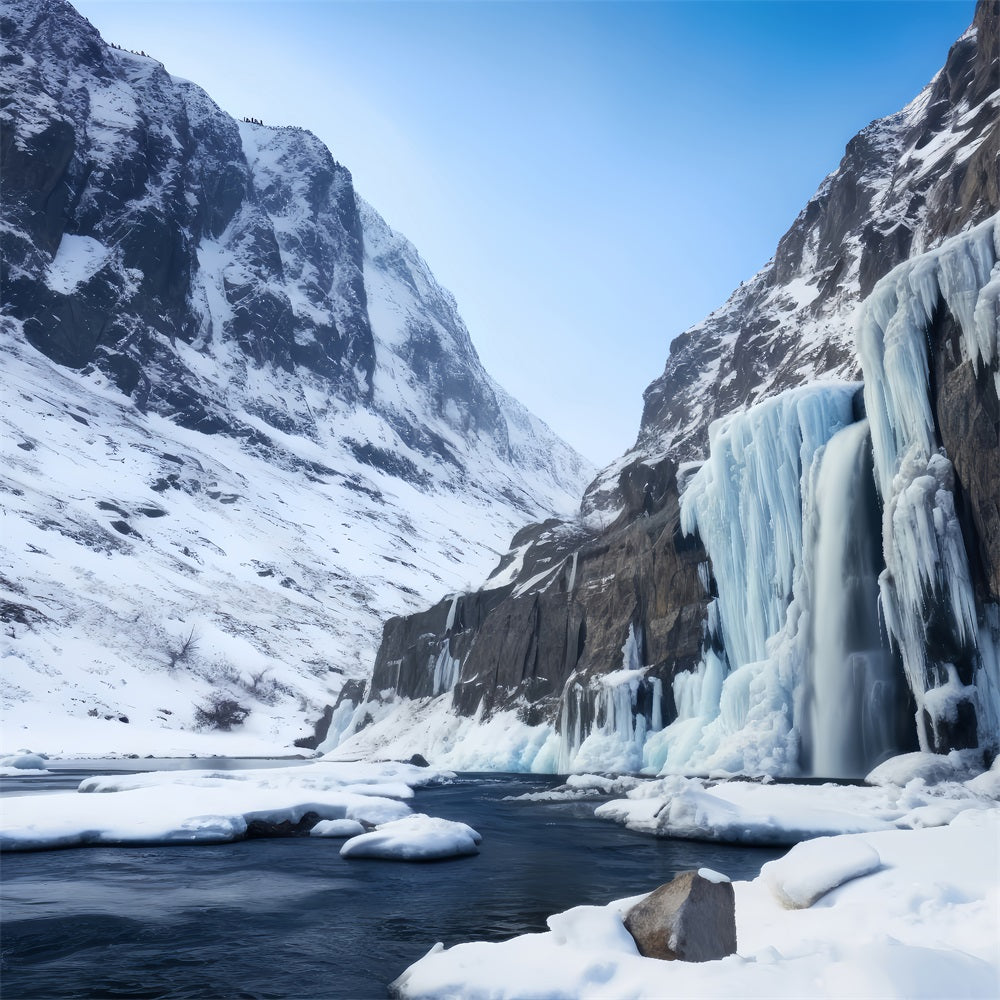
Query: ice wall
752	504
746	504
948	645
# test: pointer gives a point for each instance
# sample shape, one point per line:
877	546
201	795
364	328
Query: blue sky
588	179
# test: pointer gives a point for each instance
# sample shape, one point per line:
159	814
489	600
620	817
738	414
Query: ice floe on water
206	806
582	787
415	838
337	828
23	763
908	795
915	915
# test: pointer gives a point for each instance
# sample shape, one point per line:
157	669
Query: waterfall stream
852	680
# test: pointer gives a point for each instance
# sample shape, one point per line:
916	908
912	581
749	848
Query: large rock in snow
691	919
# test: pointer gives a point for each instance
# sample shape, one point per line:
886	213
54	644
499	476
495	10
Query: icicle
446	671
656	722
571	586
450	623
927	574
631	652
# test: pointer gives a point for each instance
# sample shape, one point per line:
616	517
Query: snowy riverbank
923	924
213	806
920	916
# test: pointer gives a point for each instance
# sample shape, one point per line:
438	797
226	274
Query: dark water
290	918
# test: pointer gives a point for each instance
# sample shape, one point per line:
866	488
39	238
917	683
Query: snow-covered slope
234	403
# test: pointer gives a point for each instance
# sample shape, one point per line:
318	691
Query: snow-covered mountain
237	408
629	621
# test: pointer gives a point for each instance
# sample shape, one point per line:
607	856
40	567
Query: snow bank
415	838
745	812
776	814
208	806
814	867
337	828
923	925
932	768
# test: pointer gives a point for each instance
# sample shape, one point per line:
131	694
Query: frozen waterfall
852	690
948	645
750	503
746	504
604	724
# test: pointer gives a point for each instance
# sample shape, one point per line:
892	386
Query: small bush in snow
220	713
183	650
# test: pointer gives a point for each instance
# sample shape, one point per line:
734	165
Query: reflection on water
291	918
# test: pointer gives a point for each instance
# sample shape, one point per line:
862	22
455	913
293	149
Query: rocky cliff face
209	303
618	588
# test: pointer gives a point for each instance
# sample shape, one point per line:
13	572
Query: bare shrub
182	651
221	712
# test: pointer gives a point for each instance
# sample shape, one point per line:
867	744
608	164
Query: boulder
691	919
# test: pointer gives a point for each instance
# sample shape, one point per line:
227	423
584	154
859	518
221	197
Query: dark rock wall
967	412
521	651
154	180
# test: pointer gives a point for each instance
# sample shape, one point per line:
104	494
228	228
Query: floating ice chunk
582	786
415	838
814	867
23	760
337	828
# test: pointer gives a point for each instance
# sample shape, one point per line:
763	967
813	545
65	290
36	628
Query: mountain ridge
223	279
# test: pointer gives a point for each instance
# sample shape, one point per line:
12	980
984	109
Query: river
289	918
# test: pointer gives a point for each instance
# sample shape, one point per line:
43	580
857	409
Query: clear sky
588	179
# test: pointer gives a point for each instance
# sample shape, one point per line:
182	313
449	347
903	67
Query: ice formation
821	610
755	505
927	578
603	726
746	504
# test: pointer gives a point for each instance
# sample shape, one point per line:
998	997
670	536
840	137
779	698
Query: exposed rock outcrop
690	919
